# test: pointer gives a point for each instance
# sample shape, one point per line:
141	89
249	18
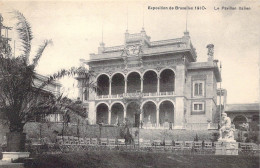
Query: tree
21	99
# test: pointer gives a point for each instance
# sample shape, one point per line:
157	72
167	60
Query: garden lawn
114	159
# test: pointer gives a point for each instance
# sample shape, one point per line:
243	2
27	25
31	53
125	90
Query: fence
67	144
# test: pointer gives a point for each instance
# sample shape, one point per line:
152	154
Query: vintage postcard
130	83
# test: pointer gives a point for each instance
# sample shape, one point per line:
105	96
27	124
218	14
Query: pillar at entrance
179	113
157	117
124	113
109	117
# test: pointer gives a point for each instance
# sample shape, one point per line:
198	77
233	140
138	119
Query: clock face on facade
133	50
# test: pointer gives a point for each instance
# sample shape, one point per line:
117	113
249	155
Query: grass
118	159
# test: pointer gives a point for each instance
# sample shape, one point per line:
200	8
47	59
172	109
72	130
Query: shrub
196	138
239	137
215	136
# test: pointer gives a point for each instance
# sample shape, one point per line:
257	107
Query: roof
251	107
150	48
206	65
45	78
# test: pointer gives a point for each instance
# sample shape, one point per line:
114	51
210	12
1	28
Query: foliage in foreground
21	99
105	159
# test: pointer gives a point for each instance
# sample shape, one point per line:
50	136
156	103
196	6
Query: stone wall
51	130
35	130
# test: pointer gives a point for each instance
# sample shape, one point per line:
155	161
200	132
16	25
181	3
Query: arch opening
238	120
133	82
167	80
117	114
166	113
133	114
102	114
103	85
150	82
118	84
149	114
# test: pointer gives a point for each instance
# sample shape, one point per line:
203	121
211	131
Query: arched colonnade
151	113
150	81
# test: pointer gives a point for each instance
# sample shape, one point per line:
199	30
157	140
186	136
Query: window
198	88
198	107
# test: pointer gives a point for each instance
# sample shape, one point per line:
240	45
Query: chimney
210	52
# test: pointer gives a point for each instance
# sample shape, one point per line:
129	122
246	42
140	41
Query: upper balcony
135	95
136	85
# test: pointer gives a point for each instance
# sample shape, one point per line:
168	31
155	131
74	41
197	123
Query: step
5	164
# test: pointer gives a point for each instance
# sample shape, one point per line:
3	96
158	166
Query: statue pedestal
226	147
9	156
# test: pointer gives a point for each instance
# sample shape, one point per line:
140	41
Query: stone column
124	113
110	86
141	114
125	85
109	116
142	84
157	117
158	85
179	113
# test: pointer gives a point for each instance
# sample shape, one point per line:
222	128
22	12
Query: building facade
244	114
156	83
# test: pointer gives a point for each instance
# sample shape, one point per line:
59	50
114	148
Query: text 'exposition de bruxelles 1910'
176	7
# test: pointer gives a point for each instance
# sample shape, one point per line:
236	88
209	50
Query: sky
76	31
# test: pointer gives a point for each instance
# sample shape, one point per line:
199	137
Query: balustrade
166	93
163	42
115	48
138	94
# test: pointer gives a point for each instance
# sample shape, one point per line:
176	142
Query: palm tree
20	98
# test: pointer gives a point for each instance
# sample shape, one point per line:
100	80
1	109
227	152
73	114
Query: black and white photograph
129	84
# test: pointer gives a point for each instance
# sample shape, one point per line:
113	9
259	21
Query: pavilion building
154	82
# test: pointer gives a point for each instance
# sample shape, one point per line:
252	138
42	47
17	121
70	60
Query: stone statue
149	118
226	132
149	124
116	120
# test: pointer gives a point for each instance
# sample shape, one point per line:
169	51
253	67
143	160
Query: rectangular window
198	108
198	88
